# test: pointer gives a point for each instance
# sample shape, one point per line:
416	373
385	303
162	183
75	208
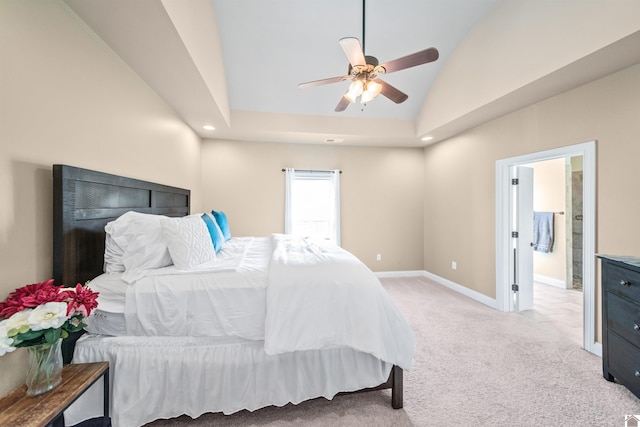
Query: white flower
5	346
49	315
5	341
18	323
3	328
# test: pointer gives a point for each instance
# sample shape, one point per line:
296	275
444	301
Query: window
312	205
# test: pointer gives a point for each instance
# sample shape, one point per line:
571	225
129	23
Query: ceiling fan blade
353	50
323	81
391	92
342	105
418	58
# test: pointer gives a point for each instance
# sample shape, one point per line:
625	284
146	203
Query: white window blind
312	204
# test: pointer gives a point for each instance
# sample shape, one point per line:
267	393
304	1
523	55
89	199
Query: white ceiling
236	64
271	46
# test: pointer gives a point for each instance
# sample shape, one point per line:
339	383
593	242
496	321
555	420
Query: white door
504	226
522	220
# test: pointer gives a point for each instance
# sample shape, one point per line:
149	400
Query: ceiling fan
364	71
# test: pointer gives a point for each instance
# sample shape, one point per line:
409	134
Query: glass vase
45	367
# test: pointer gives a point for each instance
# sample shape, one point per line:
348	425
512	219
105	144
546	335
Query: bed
261	327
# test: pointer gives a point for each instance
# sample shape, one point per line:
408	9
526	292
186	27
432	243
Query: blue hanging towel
543	231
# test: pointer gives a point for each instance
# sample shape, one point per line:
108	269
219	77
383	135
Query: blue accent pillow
216	235
221	219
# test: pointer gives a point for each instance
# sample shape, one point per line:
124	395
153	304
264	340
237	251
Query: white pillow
115	241
140	238
112	256
122	230
188	240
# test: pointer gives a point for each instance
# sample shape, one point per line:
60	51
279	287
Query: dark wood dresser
621	320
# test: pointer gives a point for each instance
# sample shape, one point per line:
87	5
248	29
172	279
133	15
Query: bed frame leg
396	389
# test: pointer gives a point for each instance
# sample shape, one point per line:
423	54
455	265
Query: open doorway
504	241
557	195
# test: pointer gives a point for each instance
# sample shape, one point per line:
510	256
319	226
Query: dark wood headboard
84	201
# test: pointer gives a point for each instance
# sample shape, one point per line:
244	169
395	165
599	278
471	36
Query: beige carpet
474	366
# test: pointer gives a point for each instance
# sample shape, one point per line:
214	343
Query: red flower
30	296
81	300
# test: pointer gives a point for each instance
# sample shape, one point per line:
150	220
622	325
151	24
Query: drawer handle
637	374
636	327
625	283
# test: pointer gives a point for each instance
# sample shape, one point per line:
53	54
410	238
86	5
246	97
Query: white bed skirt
165	377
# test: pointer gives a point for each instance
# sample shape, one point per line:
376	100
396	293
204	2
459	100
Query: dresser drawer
622	281
624	362
624	318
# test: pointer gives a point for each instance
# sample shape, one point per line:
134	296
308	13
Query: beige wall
381	194
489	67
66	98
460	175
549	195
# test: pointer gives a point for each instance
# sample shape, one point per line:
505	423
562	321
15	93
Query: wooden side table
18	409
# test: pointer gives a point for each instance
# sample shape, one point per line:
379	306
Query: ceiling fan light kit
355	90
372	90
364	72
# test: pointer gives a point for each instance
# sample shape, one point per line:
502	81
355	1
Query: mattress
226	297
106	323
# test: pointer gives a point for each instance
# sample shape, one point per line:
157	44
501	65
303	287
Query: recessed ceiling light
427	138
333	140
208	127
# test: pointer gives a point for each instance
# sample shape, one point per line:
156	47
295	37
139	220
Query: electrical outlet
454	265
379	257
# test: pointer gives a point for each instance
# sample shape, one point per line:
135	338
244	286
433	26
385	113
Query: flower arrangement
42	313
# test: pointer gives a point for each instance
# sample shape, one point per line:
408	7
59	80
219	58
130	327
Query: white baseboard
410	273
474	295
551	281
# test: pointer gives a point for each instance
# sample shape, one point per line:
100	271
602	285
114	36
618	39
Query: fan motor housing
371	67
371	60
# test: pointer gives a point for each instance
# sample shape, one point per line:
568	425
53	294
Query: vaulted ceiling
236	64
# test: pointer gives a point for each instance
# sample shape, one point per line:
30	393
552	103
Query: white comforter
293	293
226	298
321	296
